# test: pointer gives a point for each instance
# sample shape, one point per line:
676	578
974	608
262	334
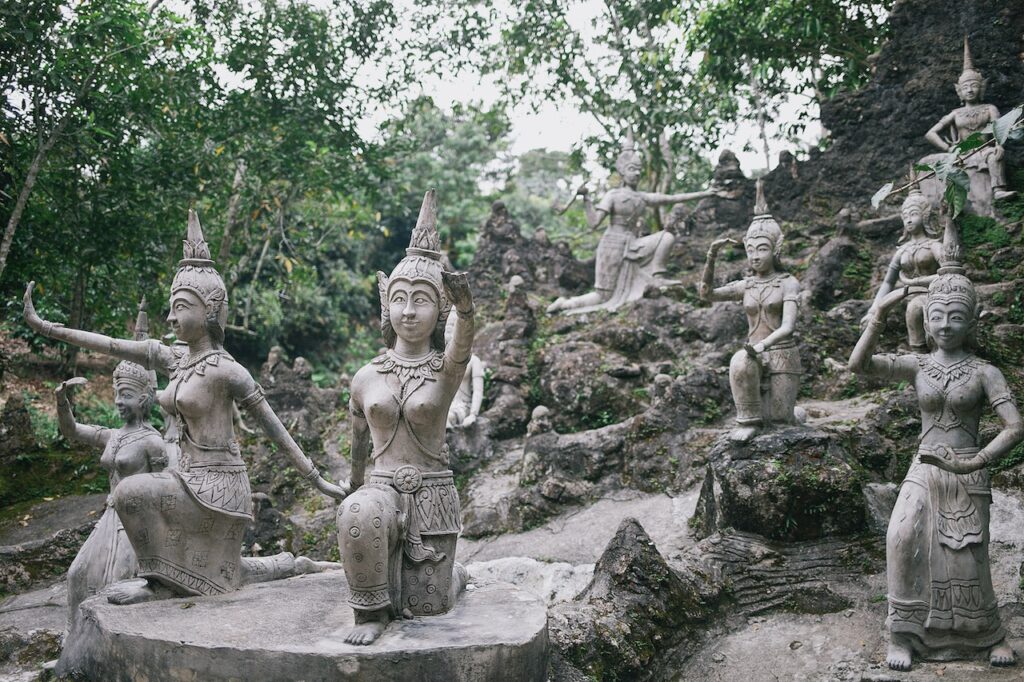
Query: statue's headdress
969	72
422	263
628	155
196	273
952	284
764	225
131	373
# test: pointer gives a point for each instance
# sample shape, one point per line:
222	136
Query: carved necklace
411	372
190	365
974	117
944	379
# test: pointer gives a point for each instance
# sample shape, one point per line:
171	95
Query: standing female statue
186	525
913	265
627	260
765	373
941	600
398	529
135	448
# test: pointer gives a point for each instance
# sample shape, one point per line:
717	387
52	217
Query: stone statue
186	525
941	600
398	529
466	405
765	373
135	448
974	116
913	265
627	260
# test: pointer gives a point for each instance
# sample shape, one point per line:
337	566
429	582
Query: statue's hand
943	457
582	190
469	420
66	386
338	492
719	243
456	288
31	316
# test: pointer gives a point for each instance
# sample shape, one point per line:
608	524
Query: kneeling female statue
398	529
941	600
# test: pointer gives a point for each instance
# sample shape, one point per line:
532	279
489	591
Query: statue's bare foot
1003	194
306	565
1002	655
742	434
557	305
899	655
134	592
369	626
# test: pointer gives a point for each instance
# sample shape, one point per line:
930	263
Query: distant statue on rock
186	525
986	167
107	556
628	261
399	528
941	600
465	407
765	373
913	265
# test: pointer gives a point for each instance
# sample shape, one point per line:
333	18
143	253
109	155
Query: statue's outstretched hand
718	244
65	387
338	492
582	190
456	288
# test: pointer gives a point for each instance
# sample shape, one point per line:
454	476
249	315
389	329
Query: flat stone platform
293	630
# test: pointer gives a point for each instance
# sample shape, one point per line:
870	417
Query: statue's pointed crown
425	240
133	373
195	248
952	284
764	225
969	72
628	154
197	273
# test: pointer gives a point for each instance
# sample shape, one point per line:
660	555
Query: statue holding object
627	260
399	527
186	524
941	599
765	374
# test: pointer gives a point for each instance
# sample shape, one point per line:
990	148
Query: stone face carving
107	556
985	168
914	264
627	260
398	529
765	373
186	525
465	407
941	599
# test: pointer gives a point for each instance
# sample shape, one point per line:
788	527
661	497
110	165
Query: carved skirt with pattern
940	584
186	526
398	535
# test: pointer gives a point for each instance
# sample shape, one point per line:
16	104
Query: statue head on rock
763	240
413	295
952	304
916	212
970	87
199	299
629	164
134	385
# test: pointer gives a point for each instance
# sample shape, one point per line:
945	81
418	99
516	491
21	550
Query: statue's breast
972	120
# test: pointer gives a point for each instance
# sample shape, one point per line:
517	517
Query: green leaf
1002	127
972	141
881	195
923	167
956	197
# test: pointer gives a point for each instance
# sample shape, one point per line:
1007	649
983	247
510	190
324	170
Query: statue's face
760	255
631	174
129	399
949	323
913	217
414	309
187	317
969	89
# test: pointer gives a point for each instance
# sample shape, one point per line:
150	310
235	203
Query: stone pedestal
293	630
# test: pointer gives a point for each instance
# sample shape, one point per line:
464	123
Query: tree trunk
232	216
69	353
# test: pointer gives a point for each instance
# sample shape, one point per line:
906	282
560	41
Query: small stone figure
398	529
913	265
186	524
765	373
974	116
466	405
107	556
628	261
941	600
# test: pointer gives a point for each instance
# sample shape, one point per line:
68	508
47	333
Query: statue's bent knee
368	535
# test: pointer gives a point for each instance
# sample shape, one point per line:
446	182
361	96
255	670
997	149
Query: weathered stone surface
792	484
16	435
31	625
635	606
469	447
553	582
42	550
294	629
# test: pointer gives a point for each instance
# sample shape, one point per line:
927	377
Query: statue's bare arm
934	135
459	351
864	361
733	291
659	199
69	428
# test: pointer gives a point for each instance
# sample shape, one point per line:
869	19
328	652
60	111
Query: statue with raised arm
913	265
986	167
765	374
466	405
186	524
628	261
941	600
399	527
135	448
